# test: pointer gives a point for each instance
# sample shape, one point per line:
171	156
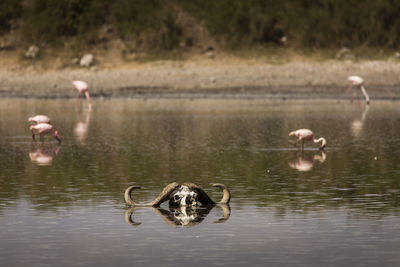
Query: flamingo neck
319	140
365	94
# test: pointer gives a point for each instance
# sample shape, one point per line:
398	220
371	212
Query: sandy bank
207	78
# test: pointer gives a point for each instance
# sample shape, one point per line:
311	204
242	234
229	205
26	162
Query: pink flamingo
357	81
307	135
43	129
82	87
39	119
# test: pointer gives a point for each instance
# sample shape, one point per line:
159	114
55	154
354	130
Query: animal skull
187	194
183	196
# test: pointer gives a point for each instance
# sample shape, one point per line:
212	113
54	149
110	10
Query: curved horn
202	195
227	194
166	216
205	199
163	196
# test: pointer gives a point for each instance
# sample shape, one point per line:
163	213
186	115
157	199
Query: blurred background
135	28
200	91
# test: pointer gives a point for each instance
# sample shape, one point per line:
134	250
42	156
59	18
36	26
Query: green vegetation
9	10
155	24
236	21
316	23
48	20
149	23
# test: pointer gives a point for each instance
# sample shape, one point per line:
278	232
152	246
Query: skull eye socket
177	197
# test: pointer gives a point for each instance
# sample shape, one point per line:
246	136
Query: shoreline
207	79
217	96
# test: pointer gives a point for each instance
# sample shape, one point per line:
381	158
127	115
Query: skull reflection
187	216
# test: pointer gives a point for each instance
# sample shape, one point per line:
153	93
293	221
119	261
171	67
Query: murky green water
63	205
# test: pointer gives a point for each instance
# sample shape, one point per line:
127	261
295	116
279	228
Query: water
63	205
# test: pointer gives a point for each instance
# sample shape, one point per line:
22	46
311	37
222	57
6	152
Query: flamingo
82	87
307	135
39	119
43	129
357	81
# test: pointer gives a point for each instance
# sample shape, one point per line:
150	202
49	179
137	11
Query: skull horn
227	194
163	196
205	199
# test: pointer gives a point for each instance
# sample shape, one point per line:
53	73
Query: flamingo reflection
187	216
44	154
82	127
306	163
357	124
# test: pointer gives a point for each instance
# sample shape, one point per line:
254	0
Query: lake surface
63	205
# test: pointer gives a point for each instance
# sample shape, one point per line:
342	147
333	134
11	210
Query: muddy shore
206	79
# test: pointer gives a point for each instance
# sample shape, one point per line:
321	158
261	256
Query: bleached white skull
183	196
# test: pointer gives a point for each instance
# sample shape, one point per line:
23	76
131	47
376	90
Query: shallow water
63	205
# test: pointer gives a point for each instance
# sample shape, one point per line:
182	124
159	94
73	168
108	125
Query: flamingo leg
33	136
88	99
350	94
297	140
77	97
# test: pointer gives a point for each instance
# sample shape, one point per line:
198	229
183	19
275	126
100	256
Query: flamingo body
307	135
81	86
356	80
43	129
39	119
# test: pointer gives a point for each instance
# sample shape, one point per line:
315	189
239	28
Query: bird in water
307	135
39	119
43	129
358	82
82	88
